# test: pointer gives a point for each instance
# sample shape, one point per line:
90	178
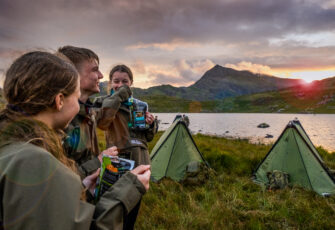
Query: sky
176	41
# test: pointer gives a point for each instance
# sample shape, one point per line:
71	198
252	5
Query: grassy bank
285	101
230	200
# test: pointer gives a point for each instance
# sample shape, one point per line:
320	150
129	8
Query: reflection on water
319	127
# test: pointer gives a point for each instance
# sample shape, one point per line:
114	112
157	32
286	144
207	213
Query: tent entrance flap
173	152
295	154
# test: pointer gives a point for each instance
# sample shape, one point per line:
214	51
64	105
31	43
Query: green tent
174	151
294	154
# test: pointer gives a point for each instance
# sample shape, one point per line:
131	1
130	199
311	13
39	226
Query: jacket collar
85	107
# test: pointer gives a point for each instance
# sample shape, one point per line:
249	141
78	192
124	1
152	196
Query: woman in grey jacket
39	185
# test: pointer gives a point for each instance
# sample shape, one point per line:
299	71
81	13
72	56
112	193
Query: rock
269	136
263	125
227	132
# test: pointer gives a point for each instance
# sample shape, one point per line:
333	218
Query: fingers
113	148
140	169
145	179
90	180
94	175
149	118
112	151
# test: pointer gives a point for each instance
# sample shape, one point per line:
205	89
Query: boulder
263	125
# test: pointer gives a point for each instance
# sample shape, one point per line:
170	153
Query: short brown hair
78	55
123	69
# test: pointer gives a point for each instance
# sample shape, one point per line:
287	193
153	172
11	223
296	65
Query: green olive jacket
81	143
114	120
39	192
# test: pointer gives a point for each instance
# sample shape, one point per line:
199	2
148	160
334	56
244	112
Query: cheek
113	85
74	108
85	83
77	107
95	76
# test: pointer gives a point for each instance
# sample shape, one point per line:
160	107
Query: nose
118	85
100	76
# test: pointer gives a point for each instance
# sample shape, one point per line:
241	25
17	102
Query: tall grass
229	199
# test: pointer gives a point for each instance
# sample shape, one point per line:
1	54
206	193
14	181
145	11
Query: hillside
227	90
218	83
316	97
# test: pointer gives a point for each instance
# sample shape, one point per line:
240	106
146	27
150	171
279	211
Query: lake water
319	127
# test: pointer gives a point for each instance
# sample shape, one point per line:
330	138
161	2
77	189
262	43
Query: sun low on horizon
308	76
176	42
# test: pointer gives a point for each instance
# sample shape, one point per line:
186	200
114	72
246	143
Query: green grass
230	200
285	101
294	100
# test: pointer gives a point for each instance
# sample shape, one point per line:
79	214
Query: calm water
319	127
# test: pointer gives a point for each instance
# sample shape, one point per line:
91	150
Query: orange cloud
181	73
169	46
302	72
138	67
254	68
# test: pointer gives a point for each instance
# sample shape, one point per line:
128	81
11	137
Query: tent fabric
294	153
173	152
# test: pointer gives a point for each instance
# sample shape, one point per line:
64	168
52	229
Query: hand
124	92
112	151
149	118
90	181
143	175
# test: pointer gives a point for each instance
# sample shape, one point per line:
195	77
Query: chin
97	90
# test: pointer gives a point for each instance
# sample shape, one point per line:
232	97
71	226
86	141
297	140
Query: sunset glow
308	81
176	42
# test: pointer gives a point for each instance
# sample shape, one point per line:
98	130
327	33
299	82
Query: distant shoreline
248	112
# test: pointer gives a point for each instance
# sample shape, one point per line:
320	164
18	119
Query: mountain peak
218	67
220	70
220	82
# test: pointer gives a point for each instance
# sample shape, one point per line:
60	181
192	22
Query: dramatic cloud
193	70
285	34
157	21
8	53
171	46
180	73
169	75
138	67
255	68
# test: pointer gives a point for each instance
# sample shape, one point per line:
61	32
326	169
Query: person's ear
59	101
